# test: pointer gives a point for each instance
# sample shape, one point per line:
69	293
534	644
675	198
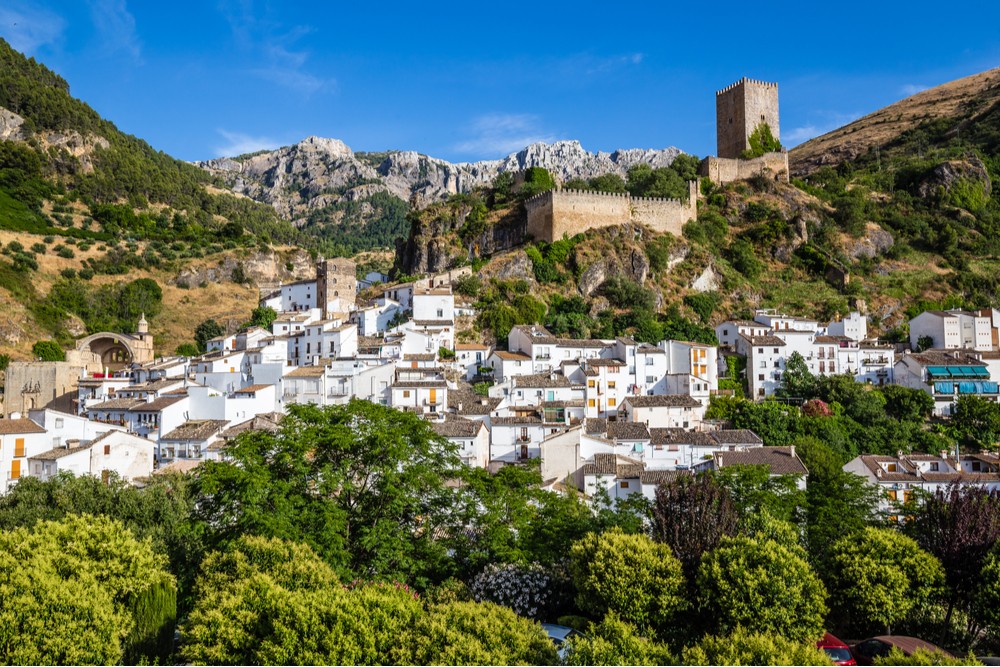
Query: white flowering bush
529	590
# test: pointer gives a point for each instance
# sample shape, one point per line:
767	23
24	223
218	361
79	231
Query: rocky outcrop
10	126
875	242
945	175
265	269
316	172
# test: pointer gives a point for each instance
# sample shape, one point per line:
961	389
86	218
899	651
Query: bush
66	253
48	350
614	642
529	590
747	648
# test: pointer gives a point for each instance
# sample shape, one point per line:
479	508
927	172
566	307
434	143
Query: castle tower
143	327
739	109
336	285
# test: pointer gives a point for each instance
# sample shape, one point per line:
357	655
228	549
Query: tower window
762	118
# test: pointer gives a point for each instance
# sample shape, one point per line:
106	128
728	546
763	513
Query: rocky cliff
317	173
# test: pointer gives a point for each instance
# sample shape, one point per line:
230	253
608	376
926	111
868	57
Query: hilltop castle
740	109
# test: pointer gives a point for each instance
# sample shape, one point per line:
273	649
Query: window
59	422
611	385
591	384
649	361
760	377
833	367
935	466
107	450
760	350
611	402
591	403
440	313
776	350
890	467
19	447
623	484
891	495
776	364
406	393
650	379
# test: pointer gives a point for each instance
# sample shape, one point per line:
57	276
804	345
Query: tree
838	503
82	590
187	350
361	483
536	180
270	601
48	350
691	515
797	381
905	404
976	421
959	525
761	141
877	577
263	317
985	607
206	331
922	656
638	579
474	633
763	586
754	490
529	590
744	647
615	642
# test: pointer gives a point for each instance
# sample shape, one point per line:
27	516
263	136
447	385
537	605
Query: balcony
522	438
339	392
875	361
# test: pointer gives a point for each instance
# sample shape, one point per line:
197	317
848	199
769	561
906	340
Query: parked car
866	651
838	651
559	634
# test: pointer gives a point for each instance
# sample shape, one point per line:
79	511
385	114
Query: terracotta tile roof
512	356
420	384
663	401
514	421
562	404
57	453
595	425
780	460
605	362
456	427
430	356
434	323
942	358
740	436
470	346
613	464
116	404
252	388
19	426
619	430
765	341
200	429
266	422
541	381
678	436
307	372
657	477
158	404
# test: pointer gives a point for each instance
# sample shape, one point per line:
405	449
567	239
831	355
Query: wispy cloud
116	27
498	134
599	65
830	121
238	143
912	88
281	60
28	27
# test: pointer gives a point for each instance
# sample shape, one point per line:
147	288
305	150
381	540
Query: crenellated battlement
555	213
747	81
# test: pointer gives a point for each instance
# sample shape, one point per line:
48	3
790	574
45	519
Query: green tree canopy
615	642
206	331
761	141
361	483
762	586
743	647
263	317
638	579
82	590
269	601
48	350
878	576
475	633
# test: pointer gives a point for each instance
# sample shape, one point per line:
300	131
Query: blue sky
468	81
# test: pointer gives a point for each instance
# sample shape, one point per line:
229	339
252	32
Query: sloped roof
19	426
780	460
619	430
196	429
663	401
457	427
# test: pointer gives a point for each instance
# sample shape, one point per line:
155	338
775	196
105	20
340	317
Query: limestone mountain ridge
317	172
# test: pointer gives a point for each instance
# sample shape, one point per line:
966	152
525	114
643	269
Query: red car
866	651
838	652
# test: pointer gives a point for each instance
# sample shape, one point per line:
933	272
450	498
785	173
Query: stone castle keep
740	109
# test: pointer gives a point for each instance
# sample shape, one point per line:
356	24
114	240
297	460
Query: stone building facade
739	109
558	213
336	285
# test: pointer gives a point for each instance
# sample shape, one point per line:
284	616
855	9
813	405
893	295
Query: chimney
944	454
459	407
791	451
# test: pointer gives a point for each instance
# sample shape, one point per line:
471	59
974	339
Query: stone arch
115	350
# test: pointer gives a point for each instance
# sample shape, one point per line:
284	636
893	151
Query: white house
124	454
946	375
957	329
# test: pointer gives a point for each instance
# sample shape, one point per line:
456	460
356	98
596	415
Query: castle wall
34	385
726	170
556	214
739	109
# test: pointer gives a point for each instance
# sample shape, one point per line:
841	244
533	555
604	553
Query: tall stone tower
739	109
336	286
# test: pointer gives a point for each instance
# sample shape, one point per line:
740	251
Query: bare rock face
316	172
707	281
876	241
10	126
947	174
263	269
517	267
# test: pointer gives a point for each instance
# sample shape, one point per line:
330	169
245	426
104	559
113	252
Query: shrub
529	590
66	253
48	350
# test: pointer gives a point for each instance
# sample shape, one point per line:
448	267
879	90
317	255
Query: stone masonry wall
724	170
739	109
558	213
